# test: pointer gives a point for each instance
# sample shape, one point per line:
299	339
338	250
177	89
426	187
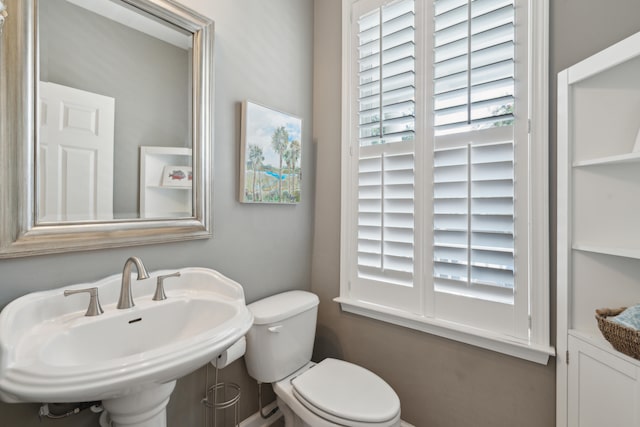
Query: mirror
108	106
112	80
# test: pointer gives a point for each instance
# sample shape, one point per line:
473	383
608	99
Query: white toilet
331	393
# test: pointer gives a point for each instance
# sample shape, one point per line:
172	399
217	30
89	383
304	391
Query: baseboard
256	420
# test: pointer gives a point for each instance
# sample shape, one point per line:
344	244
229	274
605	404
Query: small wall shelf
162	201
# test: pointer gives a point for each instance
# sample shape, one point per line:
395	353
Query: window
444	176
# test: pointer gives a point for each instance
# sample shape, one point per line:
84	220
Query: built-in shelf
163	201
610	160
594	339
168	187
607	250
598	213
597	340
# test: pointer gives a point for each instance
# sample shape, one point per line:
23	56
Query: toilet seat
346	394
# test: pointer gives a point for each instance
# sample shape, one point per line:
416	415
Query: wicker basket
623	339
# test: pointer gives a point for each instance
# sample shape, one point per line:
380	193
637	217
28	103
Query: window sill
468	335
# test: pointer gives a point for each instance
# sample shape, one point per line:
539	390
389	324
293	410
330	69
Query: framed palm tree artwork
270	155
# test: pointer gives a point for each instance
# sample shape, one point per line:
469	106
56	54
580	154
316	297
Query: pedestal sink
51	352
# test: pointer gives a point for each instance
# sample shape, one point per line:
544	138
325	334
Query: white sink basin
51	352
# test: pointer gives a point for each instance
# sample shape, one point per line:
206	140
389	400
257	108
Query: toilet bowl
337	393
331	393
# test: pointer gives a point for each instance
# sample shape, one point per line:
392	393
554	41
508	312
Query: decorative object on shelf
630	317
270	156
636	147
624	339
177	176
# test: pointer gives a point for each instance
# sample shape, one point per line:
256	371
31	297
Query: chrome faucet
126	298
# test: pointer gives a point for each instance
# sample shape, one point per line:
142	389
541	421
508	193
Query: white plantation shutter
440	173
386	126
474	220
473	64
385	218
386	69
474	87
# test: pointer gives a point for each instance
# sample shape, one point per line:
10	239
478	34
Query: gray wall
263	51
148	78
441	383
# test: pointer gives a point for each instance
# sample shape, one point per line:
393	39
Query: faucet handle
94	308
160	295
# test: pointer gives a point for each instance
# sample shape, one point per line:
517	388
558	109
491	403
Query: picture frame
177	176
270	156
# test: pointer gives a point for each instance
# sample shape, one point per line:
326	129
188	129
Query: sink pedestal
143	409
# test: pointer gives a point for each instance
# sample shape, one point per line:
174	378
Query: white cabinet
598	233
603	385
157	199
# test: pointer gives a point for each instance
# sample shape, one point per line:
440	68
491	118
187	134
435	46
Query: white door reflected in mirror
75	154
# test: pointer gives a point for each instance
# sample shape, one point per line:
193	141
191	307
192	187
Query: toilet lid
347	391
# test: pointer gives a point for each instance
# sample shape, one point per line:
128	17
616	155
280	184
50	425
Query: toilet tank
281	339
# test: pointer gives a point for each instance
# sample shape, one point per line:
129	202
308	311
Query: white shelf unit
156	200
598	234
